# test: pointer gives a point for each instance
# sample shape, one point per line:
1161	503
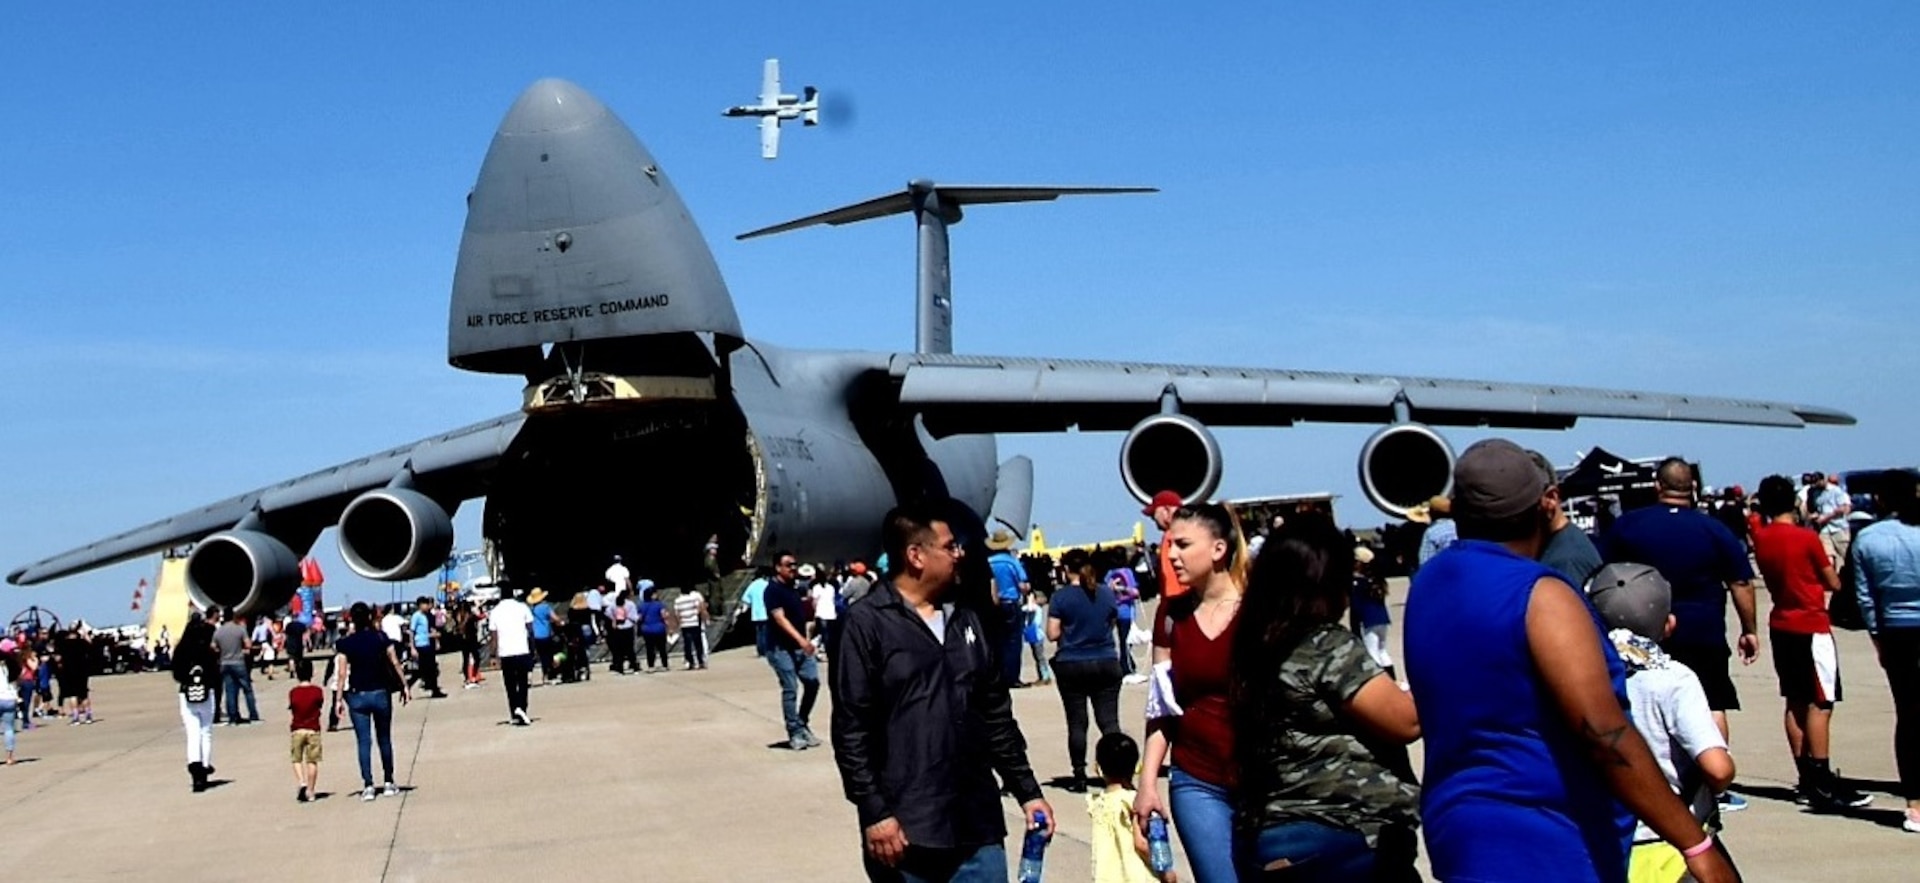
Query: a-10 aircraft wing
450	467
769	136
962	393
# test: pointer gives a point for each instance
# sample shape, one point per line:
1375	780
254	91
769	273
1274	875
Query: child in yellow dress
1119	846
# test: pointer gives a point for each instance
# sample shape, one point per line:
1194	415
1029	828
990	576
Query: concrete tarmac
675	777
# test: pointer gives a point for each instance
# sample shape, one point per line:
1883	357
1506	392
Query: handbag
1843	609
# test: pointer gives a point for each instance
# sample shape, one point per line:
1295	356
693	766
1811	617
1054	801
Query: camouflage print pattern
1307	763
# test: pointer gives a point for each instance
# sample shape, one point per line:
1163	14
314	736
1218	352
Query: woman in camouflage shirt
1326	791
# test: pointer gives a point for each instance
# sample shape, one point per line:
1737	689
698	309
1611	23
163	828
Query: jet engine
395	534
247	570
1170	452
1405	465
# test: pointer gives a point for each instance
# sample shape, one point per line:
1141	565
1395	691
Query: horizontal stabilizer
896	203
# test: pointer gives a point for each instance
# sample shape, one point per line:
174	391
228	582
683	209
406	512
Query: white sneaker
391	790
521	717
1910	824
367	793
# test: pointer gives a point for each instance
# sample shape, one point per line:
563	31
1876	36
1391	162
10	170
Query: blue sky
231	232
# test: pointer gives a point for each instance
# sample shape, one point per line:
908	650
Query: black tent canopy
1603	473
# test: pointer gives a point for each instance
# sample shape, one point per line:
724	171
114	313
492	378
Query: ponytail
1224	525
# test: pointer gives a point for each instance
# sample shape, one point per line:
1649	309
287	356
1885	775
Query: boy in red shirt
304	701
1799	575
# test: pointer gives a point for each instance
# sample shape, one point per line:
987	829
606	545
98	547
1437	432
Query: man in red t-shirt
1161	509
1799	575
304	702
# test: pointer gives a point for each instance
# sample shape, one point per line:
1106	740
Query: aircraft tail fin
934	209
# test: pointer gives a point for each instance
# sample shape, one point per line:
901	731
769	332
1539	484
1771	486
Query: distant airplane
775	107
649	422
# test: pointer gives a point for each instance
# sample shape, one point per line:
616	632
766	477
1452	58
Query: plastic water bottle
1159	849
1034	852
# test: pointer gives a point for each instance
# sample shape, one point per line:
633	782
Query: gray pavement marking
413	763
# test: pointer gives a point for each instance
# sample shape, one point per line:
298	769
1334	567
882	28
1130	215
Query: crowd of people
1571	691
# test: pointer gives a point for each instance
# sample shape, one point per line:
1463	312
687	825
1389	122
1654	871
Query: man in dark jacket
922	719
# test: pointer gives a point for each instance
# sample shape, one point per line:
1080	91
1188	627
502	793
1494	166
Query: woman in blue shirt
653	626
367	671
1086	662
1886	580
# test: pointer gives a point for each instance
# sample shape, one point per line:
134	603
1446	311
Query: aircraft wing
454	465
962	393
770	83
769	136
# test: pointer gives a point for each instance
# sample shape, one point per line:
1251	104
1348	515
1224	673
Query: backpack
195	686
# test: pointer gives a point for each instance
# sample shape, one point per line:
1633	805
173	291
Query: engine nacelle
1170	452
395	534
247	570
1405	465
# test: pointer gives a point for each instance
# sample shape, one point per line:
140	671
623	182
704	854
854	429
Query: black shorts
73	688
1714	666
1808	666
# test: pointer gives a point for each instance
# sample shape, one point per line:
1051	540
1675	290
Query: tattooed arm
1566	651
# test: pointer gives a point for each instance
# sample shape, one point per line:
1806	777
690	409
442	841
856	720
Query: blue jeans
795	669
7	718
1013	622
372	712
983	864
1203	816
760	645
1313	852
236	678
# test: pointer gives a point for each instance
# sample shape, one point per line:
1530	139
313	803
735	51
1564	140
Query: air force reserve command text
562	314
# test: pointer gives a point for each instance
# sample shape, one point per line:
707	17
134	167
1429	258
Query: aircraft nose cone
551	105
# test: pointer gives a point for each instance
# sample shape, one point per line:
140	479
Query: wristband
1698	848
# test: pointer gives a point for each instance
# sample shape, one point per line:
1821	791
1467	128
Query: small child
1035	632
1119	846
1668	707
304	701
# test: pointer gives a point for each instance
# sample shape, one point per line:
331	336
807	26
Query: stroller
578	640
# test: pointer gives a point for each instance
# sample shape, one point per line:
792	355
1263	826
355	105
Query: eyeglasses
785	564
953	547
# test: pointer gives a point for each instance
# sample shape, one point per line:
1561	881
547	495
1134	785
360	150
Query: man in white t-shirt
825	614
619	577
395	626
511	622
1667	704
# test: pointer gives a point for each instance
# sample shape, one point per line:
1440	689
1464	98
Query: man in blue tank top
1533	770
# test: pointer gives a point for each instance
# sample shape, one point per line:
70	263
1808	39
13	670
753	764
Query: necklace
1218	604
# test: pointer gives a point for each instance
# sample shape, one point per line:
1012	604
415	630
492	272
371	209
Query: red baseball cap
1168	499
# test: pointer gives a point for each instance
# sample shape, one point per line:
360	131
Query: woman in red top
1195	633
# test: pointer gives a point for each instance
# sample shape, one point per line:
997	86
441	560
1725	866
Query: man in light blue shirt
426	646
1830	509
1441	534
754	600
1010	588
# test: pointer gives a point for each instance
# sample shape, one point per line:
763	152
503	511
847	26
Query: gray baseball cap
1496	478
1633	597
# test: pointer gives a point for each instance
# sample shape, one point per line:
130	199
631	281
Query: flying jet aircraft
775	107
581	271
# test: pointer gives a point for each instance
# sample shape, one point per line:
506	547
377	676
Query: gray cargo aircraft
651	423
